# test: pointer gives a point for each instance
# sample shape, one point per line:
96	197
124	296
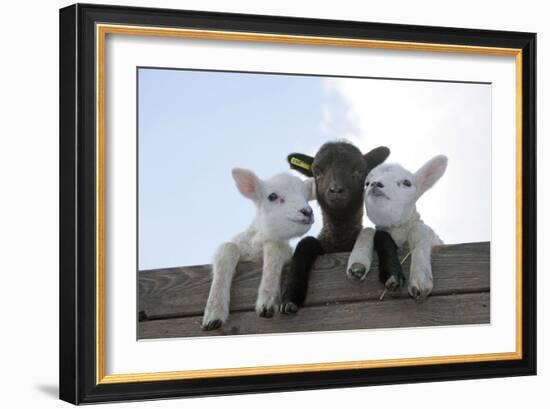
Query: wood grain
182	291
398	313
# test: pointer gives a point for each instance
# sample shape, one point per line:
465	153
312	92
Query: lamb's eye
407	183
272	197
368	183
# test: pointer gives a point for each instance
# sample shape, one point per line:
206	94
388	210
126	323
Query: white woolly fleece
390	200
281	214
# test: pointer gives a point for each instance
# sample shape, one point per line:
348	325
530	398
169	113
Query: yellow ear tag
300	163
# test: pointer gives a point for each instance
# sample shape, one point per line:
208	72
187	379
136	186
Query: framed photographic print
258	203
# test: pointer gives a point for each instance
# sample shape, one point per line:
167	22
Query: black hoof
394	282
357	271
289	308
212	325
267	312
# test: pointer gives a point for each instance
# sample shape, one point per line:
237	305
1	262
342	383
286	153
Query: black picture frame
78	236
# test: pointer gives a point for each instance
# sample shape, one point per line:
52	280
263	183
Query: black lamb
340	170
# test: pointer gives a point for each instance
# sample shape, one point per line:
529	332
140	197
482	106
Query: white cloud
419	120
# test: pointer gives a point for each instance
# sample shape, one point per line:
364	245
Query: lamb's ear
301	163
247	182
376	157
427	175
310	183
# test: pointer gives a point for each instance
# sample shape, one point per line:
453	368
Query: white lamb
390	199
282	213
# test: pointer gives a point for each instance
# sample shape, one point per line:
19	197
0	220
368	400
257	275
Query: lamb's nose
306	211
378	184
335	189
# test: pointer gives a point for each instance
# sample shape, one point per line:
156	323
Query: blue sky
194	126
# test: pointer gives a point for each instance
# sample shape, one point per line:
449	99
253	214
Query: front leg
360	258
223	269
294	294
275	255
421	279
389	266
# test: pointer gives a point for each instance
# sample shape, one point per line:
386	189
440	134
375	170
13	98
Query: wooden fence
171	301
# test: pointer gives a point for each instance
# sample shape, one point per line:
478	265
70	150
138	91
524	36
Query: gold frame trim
101	32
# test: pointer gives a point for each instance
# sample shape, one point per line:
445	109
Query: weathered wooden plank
397	313
182	292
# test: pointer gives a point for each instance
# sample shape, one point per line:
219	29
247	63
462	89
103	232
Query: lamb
339	170
390	200
282	213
